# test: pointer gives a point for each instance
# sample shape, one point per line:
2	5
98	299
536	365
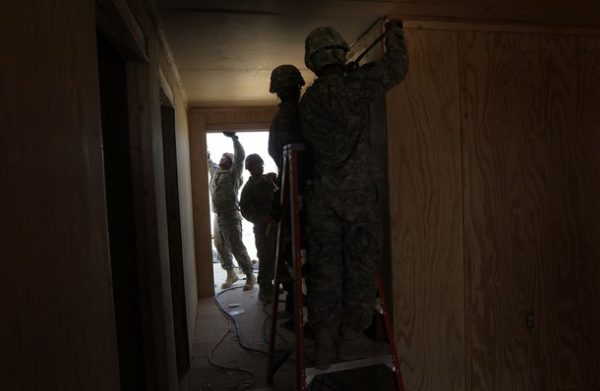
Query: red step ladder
290	216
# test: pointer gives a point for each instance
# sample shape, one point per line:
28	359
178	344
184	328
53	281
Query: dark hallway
487	171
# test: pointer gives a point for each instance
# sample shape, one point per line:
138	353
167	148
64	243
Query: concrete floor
215	339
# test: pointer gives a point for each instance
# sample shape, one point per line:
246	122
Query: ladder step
387	360
290	206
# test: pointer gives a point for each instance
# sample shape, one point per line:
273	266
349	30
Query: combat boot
231	278
324	348
355	345
250	281
265	293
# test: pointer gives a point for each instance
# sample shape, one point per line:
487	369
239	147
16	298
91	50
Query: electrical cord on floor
264	328
232	319
322	382
245	383
249	380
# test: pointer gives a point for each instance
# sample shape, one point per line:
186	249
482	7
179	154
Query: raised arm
375	78
238	154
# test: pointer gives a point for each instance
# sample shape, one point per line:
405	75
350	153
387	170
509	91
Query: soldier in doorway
255	204
344	225
225	182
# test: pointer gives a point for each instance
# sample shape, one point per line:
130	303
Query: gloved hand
230	134
394	26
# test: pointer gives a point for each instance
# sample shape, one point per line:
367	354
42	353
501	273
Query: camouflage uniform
224	187
287	82
255	204
285	129
344	225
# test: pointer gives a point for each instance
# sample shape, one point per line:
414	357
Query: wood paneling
202	229
175	243
500	127
178	98
238	118
506	171
160	58
530	170
426	214
151	221
60	333
58	307
184	168
115	19
426	24
568	346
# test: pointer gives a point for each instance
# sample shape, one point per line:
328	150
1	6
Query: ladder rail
297	262
290	203
389	335
283	218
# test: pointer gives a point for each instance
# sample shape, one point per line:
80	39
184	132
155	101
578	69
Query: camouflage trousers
265	236
228	241
345	247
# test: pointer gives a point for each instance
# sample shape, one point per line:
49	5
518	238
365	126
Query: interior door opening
120	215
253	141
174	234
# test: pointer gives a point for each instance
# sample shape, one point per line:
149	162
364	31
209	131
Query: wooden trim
166	88
115	19
237	118
164	44
200	202
362	43
202	121
492	26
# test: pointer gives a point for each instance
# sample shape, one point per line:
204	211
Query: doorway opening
253	141
112	70
167	113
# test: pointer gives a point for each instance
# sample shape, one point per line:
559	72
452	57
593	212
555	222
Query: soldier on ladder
344	227
286	82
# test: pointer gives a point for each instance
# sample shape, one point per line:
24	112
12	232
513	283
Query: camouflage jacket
335	116
257	197
285	129
225	184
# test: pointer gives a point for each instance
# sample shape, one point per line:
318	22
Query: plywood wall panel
202	229
524	170
54	231
187	213
426	214
569	344
530	171
506	173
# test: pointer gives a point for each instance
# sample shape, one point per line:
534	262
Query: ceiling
225	50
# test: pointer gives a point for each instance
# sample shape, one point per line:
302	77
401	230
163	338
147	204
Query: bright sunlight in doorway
253	142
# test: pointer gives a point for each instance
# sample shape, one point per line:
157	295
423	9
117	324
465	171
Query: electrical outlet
530	320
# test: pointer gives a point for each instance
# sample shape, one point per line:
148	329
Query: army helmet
284	77
251	159
324	46
230	155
